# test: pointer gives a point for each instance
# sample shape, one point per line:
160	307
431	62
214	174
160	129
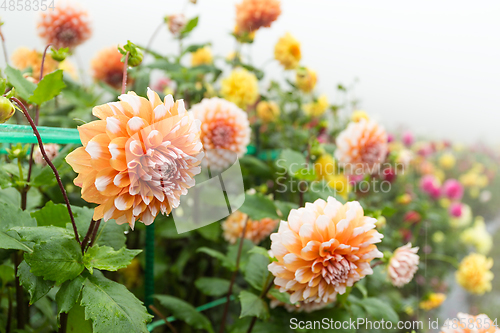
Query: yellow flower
268	111
306	79
447	161
287	51
474	273
340	183
438	237
325	166
317	107
445	202
68	67
202	56
478	236
358	115
240	87
404	199
433	301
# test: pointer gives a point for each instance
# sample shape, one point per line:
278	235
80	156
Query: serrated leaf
49	87
52	214
57	259
68	294
8	242
23	87
111	307
41	234
256	272
12	216
282	297
257	207
106	258
212	286
253	306
185	312
291	161
225	261
37	287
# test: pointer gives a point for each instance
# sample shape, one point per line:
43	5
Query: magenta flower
452	189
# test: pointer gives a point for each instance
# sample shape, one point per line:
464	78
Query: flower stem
94	234
4	48
63	321
262	295
233	277
159	314
49	162
443	257
90	231
125	68
150	42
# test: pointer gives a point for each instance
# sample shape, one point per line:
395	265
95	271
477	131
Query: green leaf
260	250
225	261
282	297
111	307
23	87
291	161
194	48
58	259
42	234
379	309
210	232
254	166
185	312
52	214
253	306
49	87
388	211
45	176
12	216
68	294
257	206
77	322
192	23
6	274
256	272
37	287
213	286
5	180
10	243
105	258
232	253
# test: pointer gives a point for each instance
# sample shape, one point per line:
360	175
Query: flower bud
7	109
59	55
135	54
176	23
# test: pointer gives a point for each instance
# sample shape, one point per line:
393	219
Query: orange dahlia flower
224	126
466	323
299	306
361	147
254	14
65	26
24	58
107	67
322	249
256	230
138	159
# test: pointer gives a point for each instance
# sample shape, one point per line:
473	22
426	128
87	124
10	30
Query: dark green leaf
185	312
37	287
69	293
257	206
49	87
5	180
111	307
23	87
379	309
42	234
210	232
256	272
225	261
253	306
8	242
52	214
58	259
212	286
284	207
105	258
12	216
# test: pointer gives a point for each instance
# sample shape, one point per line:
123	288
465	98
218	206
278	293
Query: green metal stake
149	286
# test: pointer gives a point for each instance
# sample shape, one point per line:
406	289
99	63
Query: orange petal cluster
254	14
256	230
65	26
466	323
362	147
138	159
107	67
322	249
24	58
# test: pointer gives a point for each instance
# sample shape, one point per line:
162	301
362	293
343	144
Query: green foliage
57	259
378	309
225	261
23	87
257	206
105	258
9	242
256	272
253	306
77	322
111	307
39	234
212	286
69	293
192	23
49	87
52	214
291	161
185	312
37	287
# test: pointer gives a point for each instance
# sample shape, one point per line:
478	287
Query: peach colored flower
299	306
52	151
254	14
107	67
362	146
466	323
403	265
176	23
138	159
256	230
224	126
24	58
65	26
322	249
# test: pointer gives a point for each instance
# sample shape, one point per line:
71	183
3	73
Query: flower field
193	192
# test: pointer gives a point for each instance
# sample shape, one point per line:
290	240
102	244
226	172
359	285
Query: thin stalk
159	314
4	48
125	68
150	42
94	234
49	162
377	264
20	308
262	295
63	321
233	277
90	231
443	257
9	312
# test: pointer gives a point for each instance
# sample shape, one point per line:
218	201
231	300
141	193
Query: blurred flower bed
342	219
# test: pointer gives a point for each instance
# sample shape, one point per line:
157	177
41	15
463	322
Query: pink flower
408	138
455	209
390	138
403	265
389	174
52	151
452	189
412	217
430	185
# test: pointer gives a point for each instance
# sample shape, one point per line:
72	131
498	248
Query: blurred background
430	66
